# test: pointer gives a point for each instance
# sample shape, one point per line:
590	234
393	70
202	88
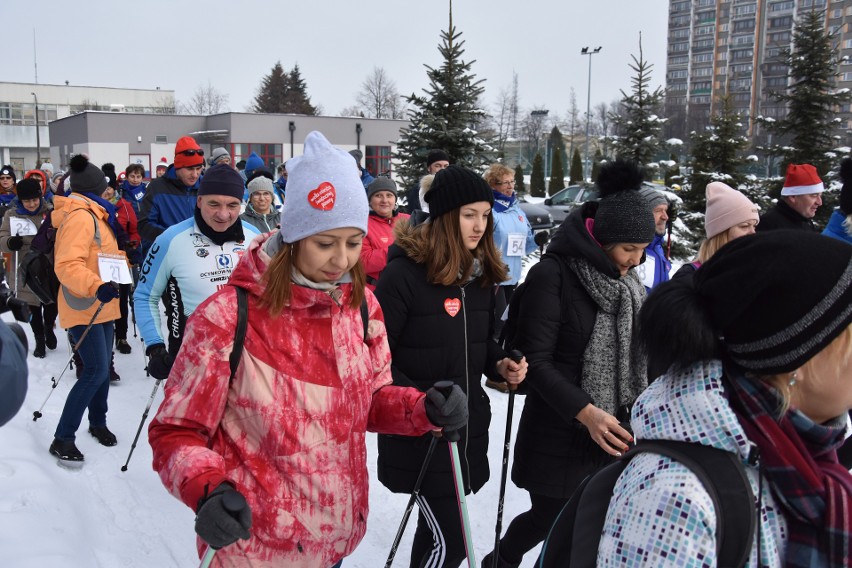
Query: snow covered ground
101	517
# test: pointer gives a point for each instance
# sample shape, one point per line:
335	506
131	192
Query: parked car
540	218
563	201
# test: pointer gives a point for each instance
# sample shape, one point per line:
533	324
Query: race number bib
113	268
517	244
21	226
646	271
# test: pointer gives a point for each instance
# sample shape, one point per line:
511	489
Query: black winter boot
39	350
66	450
103	435
49	338
122	346
113	376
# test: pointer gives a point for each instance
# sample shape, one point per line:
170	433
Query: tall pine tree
576	167
537	177
520	186
283	92
638	124
804	136
717	155
446	115
557	171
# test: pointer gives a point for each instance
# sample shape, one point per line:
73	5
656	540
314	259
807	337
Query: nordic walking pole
16	273
55	382
414	494
142	423
234	503
515	356
452	438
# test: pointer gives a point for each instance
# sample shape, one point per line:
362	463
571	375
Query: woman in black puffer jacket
575	326
437	295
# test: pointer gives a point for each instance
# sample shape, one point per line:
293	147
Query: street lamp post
589	52
38	135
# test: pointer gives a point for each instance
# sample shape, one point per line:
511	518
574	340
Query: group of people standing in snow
354	311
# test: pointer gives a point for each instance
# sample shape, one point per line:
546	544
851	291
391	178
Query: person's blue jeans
92	388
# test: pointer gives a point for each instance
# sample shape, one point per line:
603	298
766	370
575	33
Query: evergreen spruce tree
812	99
272	93
638	125
673	172
520	186
537	177
557	145
557	173
283	92
446	115
297	100
717	155
577	167
596	165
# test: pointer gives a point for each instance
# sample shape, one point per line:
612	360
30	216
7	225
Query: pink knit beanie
726	208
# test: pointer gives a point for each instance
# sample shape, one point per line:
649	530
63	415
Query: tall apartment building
733	46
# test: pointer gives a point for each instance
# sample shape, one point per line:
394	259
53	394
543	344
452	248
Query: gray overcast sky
180	45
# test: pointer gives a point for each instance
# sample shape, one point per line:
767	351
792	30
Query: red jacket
374	251
127	219
289	431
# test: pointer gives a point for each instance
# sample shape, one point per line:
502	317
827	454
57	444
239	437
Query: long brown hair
438	244
278	283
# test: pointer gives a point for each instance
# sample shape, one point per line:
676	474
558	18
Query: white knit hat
323	192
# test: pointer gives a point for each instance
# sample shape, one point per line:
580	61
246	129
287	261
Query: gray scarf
614	371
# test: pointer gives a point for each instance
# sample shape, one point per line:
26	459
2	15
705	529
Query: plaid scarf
799	461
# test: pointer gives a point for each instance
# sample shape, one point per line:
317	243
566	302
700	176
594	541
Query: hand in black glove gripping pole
107	292
447	407
223	517
15	243
159	361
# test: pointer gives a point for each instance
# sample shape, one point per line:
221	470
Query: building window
784	22
23	114
680	34
702	72
744	40
678	21
744	25
679	74
377	160
703	30
702	100
781	6
779	37
680	7
744	10
679	60
702	58
678	47
846	77
271	154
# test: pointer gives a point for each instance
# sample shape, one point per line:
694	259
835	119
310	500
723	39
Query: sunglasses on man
192	152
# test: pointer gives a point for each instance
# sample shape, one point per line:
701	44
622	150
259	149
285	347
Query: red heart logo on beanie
322	197
452	305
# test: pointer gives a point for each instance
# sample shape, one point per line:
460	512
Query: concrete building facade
124	138
733	46
22	143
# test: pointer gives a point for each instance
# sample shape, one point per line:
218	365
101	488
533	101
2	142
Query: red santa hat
802	179
164	163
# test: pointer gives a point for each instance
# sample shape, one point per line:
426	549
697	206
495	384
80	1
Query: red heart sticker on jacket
452	305
322	197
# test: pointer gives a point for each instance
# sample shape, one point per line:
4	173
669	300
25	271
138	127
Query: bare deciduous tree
206	99
378	97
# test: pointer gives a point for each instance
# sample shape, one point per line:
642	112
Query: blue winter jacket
835	227
513	222
167	202
133	194
655	270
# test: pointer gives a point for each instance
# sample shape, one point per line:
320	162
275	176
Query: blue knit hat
323	192
254	161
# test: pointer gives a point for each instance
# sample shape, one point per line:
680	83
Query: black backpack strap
728	487
365	316
240	335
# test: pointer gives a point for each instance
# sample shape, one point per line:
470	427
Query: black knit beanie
455	186
7	171
29	188
86	177
436	156
777	298
624	215
846	190
222	179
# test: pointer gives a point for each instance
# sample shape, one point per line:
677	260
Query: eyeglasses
192	152
4	178
509	183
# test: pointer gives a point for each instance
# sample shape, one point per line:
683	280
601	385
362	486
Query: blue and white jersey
190	266
514	238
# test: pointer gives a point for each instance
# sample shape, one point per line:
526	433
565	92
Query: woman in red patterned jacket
287	432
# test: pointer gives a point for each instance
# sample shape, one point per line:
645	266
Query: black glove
223	517
159	361
107	292
15	243
541	238
450	410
